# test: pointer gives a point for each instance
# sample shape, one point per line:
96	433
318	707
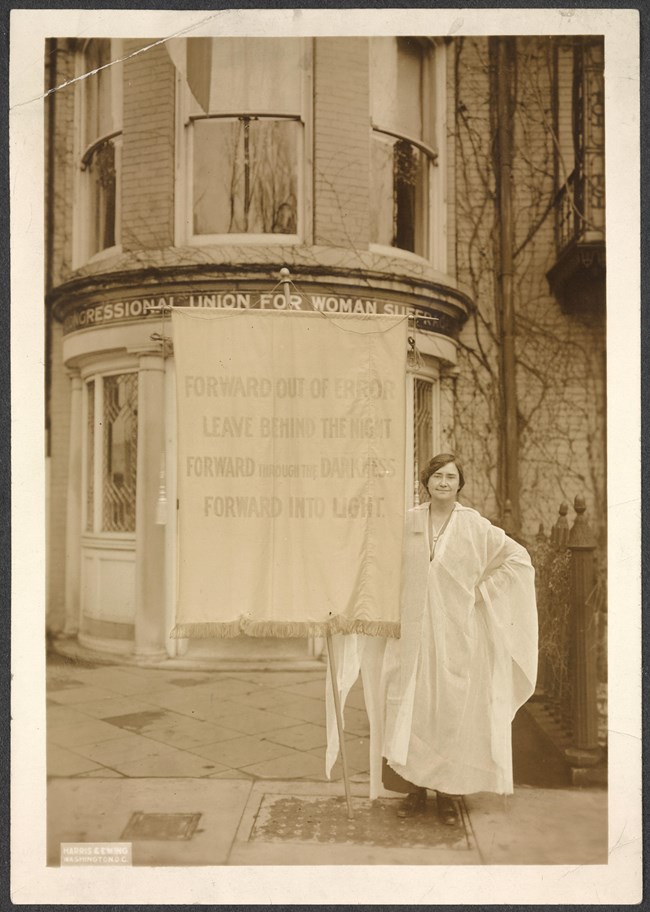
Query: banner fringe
284	629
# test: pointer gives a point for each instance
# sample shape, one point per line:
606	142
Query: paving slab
110	706
278	678
63	762
116	680
265	698
301	737
541	826
83	694
171	728
250	721
71	734
314	688
294	765
65	715
104	772
281	679
84	810
221	688
121	750
170	765
241	751
204	705
305	709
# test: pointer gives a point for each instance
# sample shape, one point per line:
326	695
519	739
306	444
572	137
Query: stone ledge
71	649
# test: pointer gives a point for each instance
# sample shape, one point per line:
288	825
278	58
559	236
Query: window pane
120	427
90	458
245	176
399	200
422	426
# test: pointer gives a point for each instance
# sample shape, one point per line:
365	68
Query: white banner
291	438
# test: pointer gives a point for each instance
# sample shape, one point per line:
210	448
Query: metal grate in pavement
143	826
284	818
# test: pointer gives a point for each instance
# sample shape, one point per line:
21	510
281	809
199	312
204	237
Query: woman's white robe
441	699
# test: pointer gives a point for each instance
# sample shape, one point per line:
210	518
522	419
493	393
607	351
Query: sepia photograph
330	384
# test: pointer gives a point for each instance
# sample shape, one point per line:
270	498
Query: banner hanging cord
161	503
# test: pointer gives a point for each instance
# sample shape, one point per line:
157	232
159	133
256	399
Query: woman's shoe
447	810
413	803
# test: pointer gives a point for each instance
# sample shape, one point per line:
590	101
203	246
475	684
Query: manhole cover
160	826
283	818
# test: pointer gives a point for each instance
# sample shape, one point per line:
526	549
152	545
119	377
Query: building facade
190	173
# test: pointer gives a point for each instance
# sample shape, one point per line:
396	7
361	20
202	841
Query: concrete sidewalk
227	768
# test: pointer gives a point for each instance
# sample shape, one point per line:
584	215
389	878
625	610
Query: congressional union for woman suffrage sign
291	437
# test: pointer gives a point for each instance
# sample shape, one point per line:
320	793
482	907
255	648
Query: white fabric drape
443	696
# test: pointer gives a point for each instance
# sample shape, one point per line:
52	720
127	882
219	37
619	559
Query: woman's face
443	484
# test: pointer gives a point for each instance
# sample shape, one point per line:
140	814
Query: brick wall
148	148
560	359
450	178
476	420
61	182
341	142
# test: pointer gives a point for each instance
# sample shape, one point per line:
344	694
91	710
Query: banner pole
339	724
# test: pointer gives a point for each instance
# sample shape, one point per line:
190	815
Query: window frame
83	155
184	228
433	124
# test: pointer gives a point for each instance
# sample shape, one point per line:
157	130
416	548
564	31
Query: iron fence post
584	751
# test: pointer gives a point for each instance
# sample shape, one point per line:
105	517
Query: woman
441	699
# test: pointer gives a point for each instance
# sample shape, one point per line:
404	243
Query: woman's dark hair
442	459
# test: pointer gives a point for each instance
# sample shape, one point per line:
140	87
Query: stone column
150	632
73	511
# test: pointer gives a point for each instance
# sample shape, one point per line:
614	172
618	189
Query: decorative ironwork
422	428
120	452
572	674
577	277
400	193
580	208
